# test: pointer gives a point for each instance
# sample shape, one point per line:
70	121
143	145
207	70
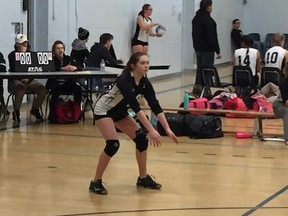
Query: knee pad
141	140
111	147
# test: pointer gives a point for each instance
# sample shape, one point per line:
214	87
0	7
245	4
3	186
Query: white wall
265	16
119	19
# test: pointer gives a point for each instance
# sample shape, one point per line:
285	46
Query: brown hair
144	8
277	39
57	42
133	61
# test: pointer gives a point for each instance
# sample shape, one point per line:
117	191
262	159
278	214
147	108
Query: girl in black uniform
111	110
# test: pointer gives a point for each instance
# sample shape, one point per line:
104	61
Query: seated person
2	69
101	51
276	56
280	105
20	87
247	56
79	49
59	86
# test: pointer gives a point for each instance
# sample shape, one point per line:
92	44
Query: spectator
143	30
79	49
59	86
2	69
247	56
280	105
276	56
205	39
20	87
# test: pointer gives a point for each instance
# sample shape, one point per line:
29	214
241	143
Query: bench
258	116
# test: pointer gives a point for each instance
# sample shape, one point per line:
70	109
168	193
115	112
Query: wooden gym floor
45	169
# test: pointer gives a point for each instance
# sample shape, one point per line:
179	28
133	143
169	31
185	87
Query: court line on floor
168	209
270	198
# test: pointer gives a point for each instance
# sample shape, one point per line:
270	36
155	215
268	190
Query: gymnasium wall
265	16
119	18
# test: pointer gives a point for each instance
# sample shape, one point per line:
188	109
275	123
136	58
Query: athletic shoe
148	182
97	187
36	114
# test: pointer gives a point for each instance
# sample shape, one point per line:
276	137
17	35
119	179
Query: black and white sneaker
97	187
148	182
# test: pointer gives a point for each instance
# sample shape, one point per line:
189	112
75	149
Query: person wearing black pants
58	86
205	39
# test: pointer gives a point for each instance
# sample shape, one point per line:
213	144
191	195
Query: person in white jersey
143	30
247	56
276	56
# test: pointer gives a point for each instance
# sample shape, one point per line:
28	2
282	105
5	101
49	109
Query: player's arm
144	26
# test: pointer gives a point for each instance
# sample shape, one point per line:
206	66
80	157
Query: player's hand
172	136
218	56
155	138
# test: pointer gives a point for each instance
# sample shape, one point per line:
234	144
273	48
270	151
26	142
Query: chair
268	40
286	41
255	36
210	78
242	77
271	74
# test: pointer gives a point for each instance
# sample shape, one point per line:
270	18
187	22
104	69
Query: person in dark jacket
2	69
236	35
205	39
79	49
58	86
101	51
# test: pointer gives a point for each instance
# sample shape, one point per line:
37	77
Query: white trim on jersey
274	57
144	35
246	58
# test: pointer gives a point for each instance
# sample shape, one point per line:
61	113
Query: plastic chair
271	74
242	77
255	36
211	78
268	40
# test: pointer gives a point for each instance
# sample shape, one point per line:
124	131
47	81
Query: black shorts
137	42
116	116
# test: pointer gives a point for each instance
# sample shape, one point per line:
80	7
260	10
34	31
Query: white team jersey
274	57
246	57
144	35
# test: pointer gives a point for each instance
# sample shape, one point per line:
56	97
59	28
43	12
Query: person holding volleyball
143	30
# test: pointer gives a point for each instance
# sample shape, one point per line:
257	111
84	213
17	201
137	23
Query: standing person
59	86
205	40
111	110
280	105
276	56
143	30
236	35
20	87
248	56
79	49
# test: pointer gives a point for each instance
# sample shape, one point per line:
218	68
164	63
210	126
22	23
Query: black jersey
125	94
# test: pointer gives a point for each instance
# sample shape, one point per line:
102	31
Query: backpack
202	126
67	112
176	124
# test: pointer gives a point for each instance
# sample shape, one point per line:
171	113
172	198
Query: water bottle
102	65
186	99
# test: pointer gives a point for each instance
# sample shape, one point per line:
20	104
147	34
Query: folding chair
243	79
268	38
211	78
271	74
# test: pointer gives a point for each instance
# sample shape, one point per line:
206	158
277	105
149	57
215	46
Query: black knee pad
141	140
111	147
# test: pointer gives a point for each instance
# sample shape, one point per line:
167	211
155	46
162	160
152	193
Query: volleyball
160	30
